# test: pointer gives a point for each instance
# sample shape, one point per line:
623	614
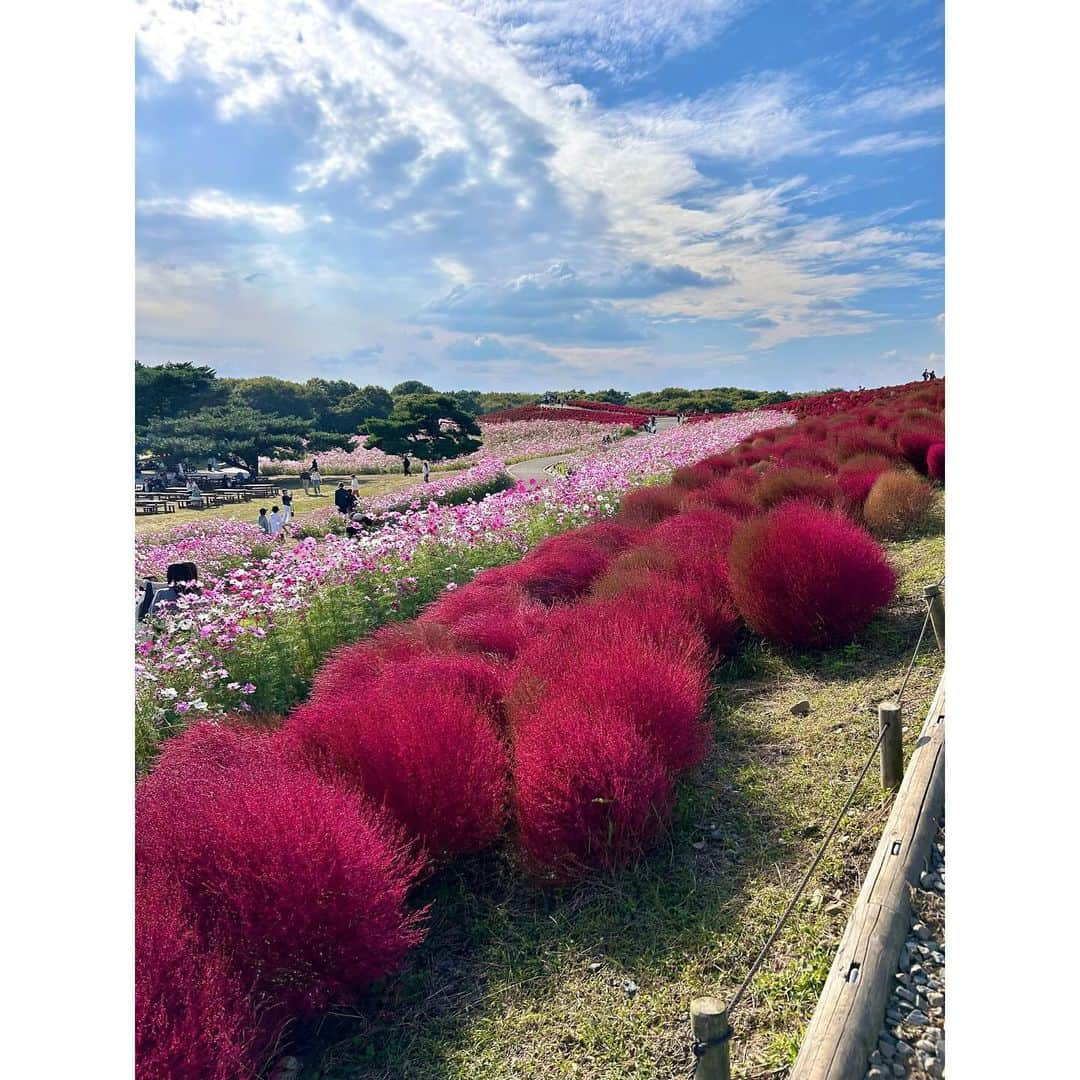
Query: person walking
354	486
427	471
316	480
264	521
305	479
314	464
277	522
406	464
286	507
925	374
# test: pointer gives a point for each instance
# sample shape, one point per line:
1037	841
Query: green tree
173	390
431	427
235	434
352	412
411	386
274	397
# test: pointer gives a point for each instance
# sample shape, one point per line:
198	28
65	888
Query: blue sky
501	194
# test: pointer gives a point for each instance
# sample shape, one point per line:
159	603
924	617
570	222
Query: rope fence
709	1017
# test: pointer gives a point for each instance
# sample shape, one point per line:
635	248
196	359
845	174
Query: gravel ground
912	1041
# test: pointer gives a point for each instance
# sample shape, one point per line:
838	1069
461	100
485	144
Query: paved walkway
535	468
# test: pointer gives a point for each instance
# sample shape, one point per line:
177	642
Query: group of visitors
273	524
406	467
928	376
311	479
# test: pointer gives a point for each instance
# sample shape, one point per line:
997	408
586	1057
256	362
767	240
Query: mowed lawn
249	511
502	988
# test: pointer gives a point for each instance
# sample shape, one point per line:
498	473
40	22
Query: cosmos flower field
527	669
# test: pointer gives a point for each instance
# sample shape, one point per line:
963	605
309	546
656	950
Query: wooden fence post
708	1022
892	746
932	594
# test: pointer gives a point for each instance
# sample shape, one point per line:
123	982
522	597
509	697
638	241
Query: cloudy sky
527	194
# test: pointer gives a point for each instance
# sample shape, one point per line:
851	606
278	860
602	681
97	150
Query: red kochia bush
192	1021
349	668
807	577
648	505
784	484
914	445
561	568
935	462
298	882
647	666
422	742
731	494
589	791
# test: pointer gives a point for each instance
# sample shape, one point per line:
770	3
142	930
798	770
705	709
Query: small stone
905	994
918	1018
801	708
915	970
905	958
630	987
903	978
288	1068
921	931
876	1059
903	1050
898	1069
933	1035
877	1074
926	879
887	1046
595	966
926	1046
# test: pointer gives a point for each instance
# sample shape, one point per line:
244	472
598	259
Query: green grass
249	511
501	988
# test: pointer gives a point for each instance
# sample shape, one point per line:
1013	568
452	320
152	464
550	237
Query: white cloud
212	205
759	119
891	142
898	102
469	105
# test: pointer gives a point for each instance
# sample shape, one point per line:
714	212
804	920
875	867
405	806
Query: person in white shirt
277	522
316	481
264	521
195	499
427	471
354	486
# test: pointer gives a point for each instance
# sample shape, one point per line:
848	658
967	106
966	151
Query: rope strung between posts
809	873
918	645
922	634
701	1048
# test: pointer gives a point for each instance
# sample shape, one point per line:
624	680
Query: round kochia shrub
646	665
807	577
192	1020
422	742
588	789
914	444
561	568
648	505
935	462
300	883
784	484
896	504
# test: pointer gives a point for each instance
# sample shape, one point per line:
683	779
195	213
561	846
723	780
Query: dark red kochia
808	577
299	882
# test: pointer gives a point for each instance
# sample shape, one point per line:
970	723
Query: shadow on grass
493	934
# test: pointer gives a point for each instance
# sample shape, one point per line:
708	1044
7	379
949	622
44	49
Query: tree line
186	413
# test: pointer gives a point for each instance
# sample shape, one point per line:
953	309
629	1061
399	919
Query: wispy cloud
213	205
891	142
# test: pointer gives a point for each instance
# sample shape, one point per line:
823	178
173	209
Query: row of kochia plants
551	704
268	614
